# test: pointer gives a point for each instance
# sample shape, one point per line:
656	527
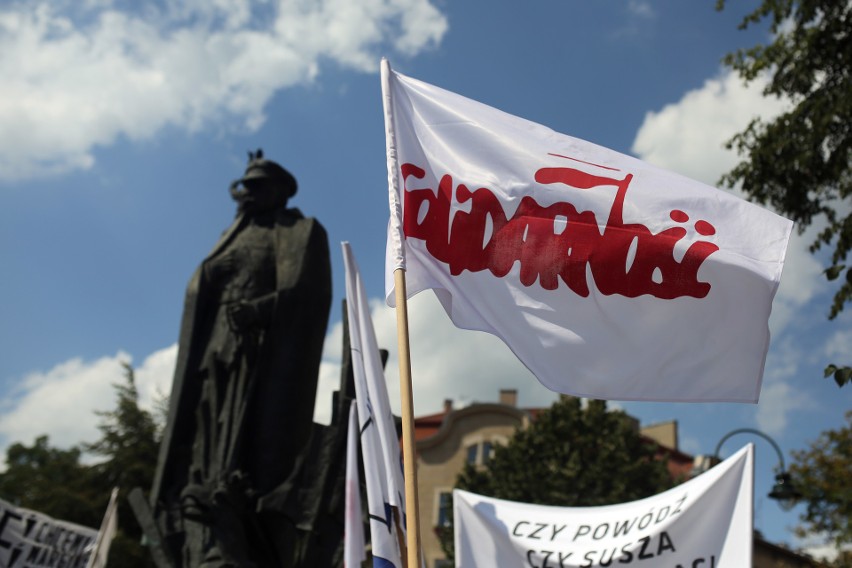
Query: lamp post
783	491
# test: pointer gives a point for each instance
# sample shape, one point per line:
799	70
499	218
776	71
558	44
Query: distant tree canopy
571	456
129	441
823	474
130	444
801	162
54	482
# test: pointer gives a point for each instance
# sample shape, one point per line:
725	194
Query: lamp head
784	491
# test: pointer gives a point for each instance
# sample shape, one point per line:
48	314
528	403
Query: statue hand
242	316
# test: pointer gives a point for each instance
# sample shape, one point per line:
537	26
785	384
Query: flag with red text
606	276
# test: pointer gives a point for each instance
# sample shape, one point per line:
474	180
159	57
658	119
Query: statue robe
242	403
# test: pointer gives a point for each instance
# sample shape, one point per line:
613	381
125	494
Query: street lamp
783	491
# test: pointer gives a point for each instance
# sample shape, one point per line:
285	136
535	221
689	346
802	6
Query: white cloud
800	282
777	401
446	362
820	546
781	394
688	137
62	401
78	77
329	374
838	344
640	8
470	364
154	376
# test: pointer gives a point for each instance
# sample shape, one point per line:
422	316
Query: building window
445	507
480	453
472	452
487	451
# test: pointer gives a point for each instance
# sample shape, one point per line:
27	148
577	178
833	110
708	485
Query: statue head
264	185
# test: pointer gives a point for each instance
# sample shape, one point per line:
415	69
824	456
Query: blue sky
122	128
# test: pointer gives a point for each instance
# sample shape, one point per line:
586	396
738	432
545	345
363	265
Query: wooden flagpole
409	452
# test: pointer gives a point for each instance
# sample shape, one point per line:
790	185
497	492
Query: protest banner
29	539
704	523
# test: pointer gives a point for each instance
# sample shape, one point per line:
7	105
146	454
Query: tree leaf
832	272
843	376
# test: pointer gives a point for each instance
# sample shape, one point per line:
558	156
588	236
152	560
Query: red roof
429	425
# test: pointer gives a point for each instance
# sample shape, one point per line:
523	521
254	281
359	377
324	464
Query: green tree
801	162
130	443
570	456
51	481
822	473
129	440
54	482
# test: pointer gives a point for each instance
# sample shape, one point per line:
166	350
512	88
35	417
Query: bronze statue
230	483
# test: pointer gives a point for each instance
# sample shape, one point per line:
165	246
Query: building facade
447	440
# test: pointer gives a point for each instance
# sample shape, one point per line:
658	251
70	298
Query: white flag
353	535
109	526
379	441
607	277
705	522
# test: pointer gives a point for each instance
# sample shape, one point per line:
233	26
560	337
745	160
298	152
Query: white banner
607	277
703	523
354	550
29	539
